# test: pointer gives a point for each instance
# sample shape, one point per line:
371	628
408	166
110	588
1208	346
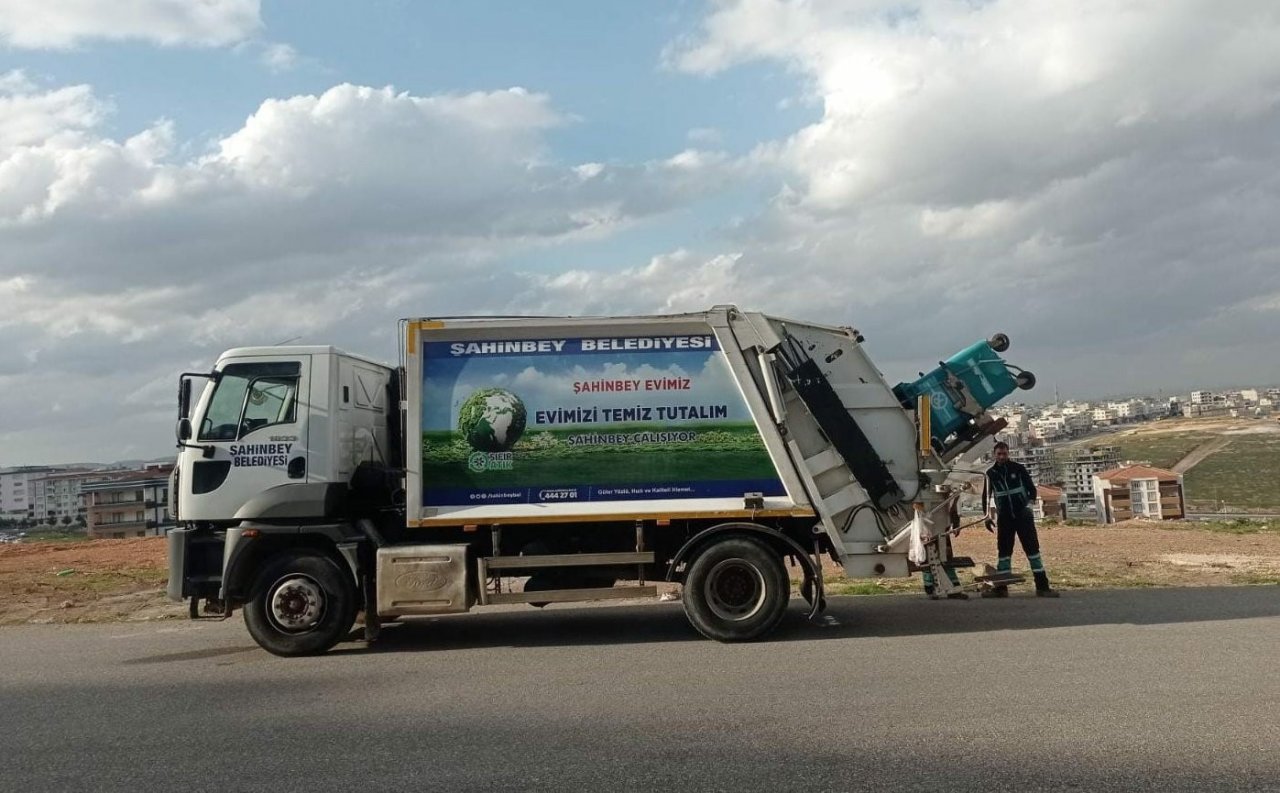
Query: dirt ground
123	580
1131	554
86	581
1143	553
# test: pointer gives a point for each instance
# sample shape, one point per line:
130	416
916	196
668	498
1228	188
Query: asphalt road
1125	690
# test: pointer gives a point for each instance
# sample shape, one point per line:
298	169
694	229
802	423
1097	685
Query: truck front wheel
303	604
736	590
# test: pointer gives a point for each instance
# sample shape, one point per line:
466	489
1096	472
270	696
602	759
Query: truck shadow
845	618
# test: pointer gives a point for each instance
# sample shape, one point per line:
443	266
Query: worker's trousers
1023	527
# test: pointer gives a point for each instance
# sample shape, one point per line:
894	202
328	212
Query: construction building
1076	469
1138	491
1039	462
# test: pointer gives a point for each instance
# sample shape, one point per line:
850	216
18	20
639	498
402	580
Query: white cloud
705	136
59	24
1099	179
279	57
29	116
669	283
324	216
1084	176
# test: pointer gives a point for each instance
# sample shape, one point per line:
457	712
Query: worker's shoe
996	592
1047	593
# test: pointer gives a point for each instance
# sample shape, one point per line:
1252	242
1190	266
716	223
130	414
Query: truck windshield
248	396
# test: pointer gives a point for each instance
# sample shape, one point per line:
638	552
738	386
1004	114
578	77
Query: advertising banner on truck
538	421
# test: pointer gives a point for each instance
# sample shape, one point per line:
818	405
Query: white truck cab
277	432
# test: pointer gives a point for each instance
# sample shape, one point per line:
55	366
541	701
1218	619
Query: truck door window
251	395
271	400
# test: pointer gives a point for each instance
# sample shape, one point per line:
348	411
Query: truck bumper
195	563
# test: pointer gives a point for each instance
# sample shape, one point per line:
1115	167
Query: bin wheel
1025	380
999	342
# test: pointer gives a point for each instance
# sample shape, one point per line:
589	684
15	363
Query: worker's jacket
1008	487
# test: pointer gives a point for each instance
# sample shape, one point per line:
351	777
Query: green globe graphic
492	420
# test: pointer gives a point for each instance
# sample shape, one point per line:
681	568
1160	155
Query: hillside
1227	464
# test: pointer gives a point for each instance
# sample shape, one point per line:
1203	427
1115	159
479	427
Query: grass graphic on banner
721	451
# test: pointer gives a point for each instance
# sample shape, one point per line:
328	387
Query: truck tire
736	590
303	604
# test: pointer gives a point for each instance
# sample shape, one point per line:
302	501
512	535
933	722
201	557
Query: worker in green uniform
1007	495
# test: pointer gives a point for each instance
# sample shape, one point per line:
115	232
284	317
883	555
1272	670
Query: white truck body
815	482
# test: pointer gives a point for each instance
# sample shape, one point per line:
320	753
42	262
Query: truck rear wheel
303	604
736	590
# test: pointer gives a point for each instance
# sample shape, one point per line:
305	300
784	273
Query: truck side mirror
183	430
184	402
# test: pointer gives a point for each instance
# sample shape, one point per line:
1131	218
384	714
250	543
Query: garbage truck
535	460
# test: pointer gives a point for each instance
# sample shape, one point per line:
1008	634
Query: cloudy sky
1099	179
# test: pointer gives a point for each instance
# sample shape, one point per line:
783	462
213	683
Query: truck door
253	433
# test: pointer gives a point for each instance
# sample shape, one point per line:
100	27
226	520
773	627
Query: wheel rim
295	604
734	590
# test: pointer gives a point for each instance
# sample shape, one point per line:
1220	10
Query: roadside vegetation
1245	474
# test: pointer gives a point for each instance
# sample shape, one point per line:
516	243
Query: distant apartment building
1138	491
1079	423
1048	428
61	494
1204	410
57	495
1201	397
1018	430
1128	410
1249	396
1076	469
1072	409
17	491
133	504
